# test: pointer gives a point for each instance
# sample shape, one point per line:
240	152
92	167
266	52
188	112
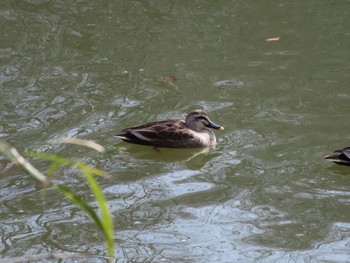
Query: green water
87	69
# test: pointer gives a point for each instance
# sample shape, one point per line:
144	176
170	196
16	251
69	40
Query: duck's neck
209	135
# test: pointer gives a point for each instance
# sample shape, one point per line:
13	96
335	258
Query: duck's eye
204	120
201	118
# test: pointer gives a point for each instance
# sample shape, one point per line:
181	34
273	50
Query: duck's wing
169	133
150	125
341	156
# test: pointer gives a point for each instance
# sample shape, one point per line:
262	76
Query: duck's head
198	120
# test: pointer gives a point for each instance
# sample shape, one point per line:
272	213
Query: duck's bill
215	126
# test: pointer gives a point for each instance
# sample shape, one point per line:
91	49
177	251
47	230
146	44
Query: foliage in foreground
104	221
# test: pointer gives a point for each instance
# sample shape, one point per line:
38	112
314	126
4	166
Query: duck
341	157
174	133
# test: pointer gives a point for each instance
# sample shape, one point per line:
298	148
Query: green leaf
107	223
80	202
104	223
13	155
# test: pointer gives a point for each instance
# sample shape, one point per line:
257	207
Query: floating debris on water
229	82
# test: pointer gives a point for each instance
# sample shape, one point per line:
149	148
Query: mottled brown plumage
174	133
341	156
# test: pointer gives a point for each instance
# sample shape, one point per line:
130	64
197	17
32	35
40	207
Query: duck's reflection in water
194	158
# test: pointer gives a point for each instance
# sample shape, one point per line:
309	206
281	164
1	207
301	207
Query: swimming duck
174	133
341	156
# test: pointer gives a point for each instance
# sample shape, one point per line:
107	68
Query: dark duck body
174	133
341	156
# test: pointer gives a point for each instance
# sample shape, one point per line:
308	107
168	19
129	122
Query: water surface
263	194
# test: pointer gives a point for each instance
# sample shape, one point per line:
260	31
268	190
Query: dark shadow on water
341	170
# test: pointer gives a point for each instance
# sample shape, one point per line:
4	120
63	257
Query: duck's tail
341	157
